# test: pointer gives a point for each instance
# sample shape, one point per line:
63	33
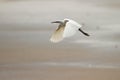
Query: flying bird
66	28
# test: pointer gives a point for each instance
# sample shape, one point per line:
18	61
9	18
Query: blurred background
26	52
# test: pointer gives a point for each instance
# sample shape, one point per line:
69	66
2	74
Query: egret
66	28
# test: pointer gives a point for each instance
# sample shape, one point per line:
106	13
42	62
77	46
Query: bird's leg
83	32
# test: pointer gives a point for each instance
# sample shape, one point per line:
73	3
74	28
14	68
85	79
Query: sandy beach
27	54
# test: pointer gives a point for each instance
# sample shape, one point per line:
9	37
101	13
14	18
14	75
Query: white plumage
66	28
71	28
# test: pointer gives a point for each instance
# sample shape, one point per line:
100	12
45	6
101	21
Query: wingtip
54	41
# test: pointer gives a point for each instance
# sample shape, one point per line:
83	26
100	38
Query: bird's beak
56	22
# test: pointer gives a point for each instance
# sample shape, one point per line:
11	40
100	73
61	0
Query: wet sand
52	73
27	54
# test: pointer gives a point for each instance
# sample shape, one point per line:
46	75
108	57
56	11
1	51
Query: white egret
66	28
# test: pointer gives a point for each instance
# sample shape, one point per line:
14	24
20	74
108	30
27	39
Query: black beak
83	32
57	22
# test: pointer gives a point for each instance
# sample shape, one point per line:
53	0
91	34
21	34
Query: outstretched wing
71	28
57	35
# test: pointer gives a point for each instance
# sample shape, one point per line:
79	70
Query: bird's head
60	22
